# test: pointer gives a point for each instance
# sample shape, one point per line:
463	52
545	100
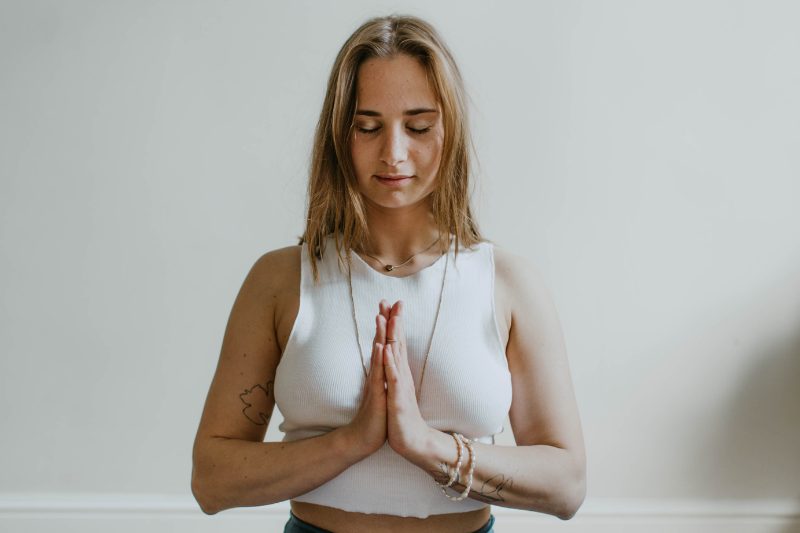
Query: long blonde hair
334	203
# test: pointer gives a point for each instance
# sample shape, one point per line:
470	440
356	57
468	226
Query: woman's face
398	132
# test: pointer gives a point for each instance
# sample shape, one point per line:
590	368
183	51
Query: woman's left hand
406	430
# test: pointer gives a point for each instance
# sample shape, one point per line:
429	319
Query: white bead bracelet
459	439
458	466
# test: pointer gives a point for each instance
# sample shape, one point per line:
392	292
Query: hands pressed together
389	410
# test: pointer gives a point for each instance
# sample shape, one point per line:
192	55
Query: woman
463	333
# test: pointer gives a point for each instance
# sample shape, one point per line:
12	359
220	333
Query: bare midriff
339	521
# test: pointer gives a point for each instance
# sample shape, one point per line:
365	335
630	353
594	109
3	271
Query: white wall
644	155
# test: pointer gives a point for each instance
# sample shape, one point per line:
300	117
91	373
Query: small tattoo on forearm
257	403
490	491
443	475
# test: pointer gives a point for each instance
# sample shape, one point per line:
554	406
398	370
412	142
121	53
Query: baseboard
87	513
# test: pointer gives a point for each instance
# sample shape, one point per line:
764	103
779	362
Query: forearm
237	473
537	478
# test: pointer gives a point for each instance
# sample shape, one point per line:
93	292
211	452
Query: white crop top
467	385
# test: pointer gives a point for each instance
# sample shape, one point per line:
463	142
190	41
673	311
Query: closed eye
420	132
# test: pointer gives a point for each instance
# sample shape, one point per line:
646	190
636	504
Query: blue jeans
295	525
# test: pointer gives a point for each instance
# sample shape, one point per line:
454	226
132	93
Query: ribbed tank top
320	380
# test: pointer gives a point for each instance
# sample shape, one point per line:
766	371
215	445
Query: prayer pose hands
406	429
389	411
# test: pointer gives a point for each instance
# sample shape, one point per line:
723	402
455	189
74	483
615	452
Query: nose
394	149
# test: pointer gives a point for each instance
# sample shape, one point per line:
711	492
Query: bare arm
546	471
541	478
239	473
232	466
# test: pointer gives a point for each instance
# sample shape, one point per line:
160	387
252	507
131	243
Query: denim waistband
295	525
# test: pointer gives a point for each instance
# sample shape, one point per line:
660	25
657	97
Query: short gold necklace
389	268
438	308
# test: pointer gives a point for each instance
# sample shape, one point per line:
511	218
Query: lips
393	180
391	176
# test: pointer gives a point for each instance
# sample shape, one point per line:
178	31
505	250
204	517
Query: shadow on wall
753	449
759	445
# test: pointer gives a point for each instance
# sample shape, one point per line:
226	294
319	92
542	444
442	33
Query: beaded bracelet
459	439
472	455
458	465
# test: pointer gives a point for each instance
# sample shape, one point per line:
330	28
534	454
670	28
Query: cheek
359	155
431	152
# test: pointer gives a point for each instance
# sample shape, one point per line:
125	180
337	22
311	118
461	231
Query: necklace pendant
389	268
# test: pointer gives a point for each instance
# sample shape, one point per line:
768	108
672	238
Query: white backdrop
644	155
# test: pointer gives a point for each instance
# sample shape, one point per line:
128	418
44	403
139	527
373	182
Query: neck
398	233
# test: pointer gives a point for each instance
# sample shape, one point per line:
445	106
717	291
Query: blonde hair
334	203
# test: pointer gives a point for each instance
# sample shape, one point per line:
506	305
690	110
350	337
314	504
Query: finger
393	311
377	366
399	313
380	329
394	331
376	316
380	373
401	332
385	308
373	359
391	372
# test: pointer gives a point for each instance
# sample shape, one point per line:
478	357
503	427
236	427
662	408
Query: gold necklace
438	308
389	268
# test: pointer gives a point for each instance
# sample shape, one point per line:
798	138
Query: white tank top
466	389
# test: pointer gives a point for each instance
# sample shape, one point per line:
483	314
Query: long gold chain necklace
438	308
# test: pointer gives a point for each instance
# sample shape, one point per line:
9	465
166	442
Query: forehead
395	84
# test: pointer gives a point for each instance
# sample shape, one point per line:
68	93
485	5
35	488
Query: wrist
352	446
348	445
430	450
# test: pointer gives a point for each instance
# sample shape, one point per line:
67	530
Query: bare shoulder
273	274
280	272
278	268
508	263
517	279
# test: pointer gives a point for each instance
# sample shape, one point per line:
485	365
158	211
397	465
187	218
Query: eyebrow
407	113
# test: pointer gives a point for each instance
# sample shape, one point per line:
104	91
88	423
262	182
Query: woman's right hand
368	427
